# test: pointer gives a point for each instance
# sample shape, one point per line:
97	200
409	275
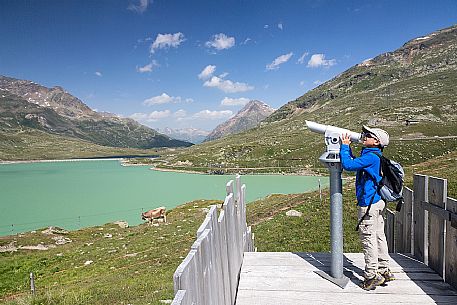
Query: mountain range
410	92
25	105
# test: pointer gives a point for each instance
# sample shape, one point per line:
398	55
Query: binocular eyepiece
335	131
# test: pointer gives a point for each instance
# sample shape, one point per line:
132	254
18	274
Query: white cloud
301	60
234	101
151	117
279	61
140	7
157	100
266	26
147	68
227	86
207	72
181	113
164	41
221	41
318	60
213	115
280	26
98	73
165	99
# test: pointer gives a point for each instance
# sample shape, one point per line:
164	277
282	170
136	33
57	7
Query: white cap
380	134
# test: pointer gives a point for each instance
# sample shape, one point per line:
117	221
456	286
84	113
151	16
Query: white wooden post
222	224
229	187
32	283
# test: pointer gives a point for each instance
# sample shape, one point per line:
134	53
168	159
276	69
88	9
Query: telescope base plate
341	282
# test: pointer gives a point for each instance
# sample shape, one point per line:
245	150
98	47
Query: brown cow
159	213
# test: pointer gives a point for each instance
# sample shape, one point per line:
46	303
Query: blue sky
195	63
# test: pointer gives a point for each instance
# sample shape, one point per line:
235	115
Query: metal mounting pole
331	159
336	220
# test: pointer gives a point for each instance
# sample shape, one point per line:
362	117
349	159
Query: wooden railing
426	226
209	274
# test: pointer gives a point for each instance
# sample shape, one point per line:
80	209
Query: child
371	229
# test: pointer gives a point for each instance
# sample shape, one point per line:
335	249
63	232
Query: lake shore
301	173
52	193
59	160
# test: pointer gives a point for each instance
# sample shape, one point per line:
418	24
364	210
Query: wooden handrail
426	227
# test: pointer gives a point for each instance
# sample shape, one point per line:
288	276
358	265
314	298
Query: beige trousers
373	238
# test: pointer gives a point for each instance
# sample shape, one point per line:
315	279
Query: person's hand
345	139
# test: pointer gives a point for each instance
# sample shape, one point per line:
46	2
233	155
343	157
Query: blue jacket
368	162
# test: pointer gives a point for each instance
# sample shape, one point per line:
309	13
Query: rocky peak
256	108
248	117
55	98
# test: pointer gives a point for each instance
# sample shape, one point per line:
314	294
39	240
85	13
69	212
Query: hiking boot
388	276
370	284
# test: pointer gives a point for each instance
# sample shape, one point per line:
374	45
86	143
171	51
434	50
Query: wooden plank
311	261
222	224
243	217
229	187
249	297
233	263
405	234
437	196
209	258
451	246
181	298
389	230
316	284
185	277
216	260
294	272
202	269
238	189
420	183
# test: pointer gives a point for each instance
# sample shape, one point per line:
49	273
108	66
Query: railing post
437	196
32	283
451	244
420	218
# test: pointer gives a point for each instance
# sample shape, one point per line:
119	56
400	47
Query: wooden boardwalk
269	278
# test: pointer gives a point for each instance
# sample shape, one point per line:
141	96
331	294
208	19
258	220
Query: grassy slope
32	144
415	82
274	231
147	277
134	266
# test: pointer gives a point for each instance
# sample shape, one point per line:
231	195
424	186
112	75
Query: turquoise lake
79	194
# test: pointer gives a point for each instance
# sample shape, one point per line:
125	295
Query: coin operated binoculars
332	138
331	158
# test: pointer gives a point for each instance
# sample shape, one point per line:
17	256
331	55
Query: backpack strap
364	215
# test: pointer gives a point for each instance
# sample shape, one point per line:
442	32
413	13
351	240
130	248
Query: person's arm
348	161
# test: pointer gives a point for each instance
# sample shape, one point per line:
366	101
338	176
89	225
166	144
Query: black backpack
391	185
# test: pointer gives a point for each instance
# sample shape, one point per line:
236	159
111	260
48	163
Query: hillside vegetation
31	114
135	265
409	92
32	144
